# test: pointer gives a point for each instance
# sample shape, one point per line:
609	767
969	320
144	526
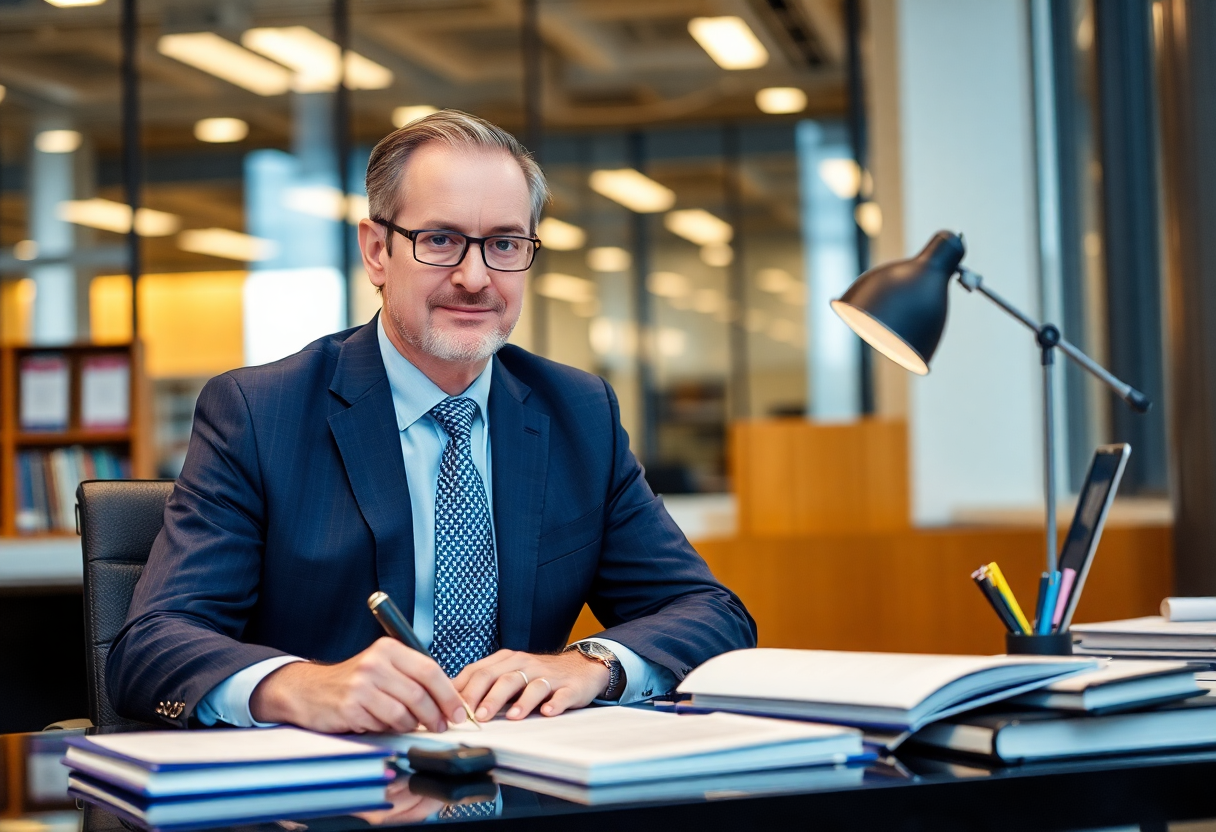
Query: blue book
208	811
159	764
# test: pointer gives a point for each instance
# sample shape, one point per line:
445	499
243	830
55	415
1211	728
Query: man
489	492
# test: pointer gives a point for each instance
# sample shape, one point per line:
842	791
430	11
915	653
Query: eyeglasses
435	247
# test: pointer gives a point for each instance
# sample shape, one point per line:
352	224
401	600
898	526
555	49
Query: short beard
450	345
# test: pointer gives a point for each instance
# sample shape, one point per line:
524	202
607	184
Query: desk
1152	793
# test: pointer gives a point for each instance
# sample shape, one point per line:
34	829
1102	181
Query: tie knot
456	416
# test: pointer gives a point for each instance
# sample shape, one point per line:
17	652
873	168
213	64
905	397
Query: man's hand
387	687
561	682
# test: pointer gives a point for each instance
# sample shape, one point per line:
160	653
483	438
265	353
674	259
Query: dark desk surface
910	793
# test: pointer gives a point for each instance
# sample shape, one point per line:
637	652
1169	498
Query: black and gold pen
393	621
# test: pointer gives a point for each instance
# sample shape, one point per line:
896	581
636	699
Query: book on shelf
46	481
105	391
45	397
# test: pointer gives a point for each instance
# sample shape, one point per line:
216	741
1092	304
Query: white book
601	746
1152	632
1117	685
105	392
44	392
886	691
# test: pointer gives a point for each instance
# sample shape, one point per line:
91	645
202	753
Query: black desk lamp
899	309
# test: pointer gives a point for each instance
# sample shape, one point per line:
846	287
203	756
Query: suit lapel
519	449
368	440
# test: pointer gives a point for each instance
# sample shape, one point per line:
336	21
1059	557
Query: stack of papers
1151	637
606	746
893	692
178	780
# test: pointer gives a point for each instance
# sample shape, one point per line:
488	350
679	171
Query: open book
885	691
610	745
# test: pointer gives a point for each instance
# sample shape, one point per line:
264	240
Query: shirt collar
413	393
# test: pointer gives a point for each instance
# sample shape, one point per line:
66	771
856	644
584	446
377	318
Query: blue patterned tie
466	578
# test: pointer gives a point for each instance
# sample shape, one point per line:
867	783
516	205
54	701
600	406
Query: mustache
476	300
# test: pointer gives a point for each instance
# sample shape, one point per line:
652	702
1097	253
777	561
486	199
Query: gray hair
455	129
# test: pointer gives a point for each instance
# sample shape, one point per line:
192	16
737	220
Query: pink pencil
1066	581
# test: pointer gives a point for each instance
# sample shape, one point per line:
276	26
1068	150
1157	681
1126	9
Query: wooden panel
795	477
911	591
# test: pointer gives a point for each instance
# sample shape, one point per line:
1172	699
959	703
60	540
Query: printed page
885	680
239	745
619	734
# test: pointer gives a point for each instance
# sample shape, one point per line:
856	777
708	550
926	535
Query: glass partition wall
674	250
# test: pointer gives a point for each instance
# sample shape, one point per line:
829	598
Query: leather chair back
119	521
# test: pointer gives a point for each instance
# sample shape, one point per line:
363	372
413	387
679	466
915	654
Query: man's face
461	313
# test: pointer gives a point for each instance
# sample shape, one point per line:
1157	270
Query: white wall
967	164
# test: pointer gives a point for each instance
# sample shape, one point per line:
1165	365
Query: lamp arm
1137	401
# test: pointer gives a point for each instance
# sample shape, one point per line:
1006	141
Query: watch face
592	648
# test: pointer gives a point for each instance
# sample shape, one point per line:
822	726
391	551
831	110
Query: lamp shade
899	308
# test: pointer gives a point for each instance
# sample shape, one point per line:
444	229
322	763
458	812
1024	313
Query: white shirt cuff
229	700
643	678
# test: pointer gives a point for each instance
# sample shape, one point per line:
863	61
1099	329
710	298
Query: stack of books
47	481
174	780
1008	708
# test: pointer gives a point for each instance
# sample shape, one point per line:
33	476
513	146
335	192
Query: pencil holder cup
1052	644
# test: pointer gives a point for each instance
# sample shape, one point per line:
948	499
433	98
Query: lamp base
1052	644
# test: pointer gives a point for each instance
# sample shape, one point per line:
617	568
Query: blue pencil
1047	609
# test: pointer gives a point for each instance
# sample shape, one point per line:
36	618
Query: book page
238	745
885	680
622	734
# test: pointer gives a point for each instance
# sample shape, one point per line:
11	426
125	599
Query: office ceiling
606	64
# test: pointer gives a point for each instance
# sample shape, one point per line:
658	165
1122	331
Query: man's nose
472	274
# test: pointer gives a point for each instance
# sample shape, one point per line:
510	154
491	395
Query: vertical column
1186	72
1129	212
967	148
52	181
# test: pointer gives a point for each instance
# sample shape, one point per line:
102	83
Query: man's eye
506	245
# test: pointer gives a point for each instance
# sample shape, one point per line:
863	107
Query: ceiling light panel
560	236
315	59
411	113
608	259
698	226
231	245
729	41
106	215
779	100
224	59
633	189
58	141
71	4
220	130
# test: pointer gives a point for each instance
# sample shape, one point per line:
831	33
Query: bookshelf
132	441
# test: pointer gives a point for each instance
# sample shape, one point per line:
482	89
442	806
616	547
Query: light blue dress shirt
422	443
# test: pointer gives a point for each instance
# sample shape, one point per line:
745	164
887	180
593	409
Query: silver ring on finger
525	675
548	686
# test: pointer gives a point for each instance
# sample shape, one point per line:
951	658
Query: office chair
119	520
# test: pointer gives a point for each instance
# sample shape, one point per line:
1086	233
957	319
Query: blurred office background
721	169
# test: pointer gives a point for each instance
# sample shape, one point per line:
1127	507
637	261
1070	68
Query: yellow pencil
1007	593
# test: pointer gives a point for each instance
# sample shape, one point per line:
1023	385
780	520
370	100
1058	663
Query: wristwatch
616	674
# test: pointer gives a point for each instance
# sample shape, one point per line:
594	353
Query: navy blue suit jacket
293	508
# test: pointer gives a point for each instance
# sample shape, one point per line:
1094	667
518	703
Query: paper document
622	744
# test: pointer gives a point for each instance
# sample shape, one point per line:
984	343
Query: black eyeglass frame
412	236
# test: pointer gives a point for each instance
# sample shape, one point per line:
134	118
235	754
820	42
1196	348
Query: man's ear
373	248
